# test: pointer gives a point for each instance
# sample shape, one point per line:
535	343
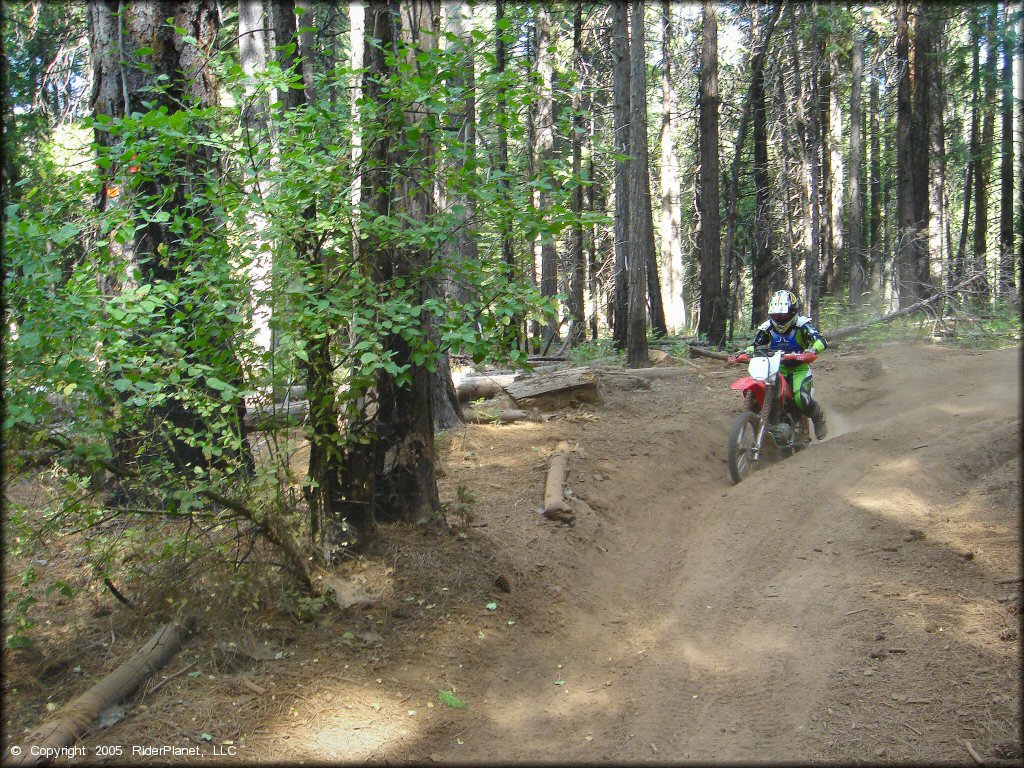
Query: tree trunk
641	229
1006	255
826	257
462	246
983	163
922	86
837	253
764	264
578	272
875	252
156	255
545	156
808	135
787	184
908	234
505	220
1020	159
673	275
596	202
621	127
252	53
712	304
855	207
958	265
324	487
357	31
732	194
396	471
938	214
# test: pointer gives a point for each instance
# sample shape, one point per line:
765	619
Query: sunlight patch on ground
890	503
739	653
960	410
337	724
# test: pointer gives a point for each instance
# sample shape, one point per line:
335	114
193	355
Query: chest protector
786	342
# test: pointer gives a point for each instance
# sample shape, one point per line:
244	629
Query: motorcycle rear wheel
742	437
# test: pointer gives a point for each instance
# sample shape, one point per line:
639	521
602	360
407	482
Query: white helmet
782	310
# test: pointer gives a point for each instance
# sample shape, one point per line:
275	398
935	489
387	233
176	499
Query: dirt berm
852	603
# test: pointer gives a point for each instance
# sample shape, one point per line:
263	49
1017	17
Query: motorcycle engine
782	433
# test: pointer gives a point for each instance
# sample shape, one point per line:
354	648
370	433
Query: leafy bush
136	365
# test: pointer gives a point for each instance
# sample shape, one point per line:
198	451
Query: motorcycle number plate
763	368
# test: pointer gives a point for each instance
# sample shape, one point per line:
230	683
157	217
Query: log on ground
555	505
558	389
477	387
509	416
75	717
704	352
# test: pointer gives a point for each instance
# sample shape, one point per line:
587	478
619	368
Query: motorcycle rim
741	446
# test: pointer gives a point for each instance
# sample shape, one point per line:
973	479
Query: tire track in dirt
711	622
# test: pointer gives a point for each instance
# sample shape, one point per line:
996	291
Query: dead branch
273	529
850	330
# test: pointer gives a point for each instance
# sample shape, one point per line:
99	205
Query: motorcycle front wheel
742	437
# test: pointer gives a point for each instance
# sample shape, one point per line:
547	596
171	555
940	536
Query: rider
789	331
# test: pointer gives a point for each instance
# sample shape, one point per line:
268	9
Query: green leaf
215	383
29	340
449	699
63	587
492	606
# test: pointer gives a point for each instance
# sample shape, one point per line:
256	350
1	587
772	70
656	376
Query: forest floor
853	603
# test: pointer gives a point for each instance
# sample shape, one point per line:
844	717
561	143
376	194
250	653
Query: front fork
767	407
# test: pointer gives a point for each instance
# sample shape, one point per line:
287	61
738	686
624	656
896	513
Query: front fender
752	386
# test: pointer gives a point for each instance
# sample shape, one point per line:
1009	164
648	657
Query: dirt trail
844	606
703	621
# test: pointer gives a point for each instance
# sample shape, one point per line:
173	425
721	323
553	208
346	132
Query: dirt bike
771	411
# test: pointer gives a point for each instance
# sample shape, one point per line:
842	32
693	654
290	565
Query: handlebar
787	357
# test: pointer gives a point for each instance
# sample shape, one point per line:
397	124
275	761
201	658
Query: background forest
214	211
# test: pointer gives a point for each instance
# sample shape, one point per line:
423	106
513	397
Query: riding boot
817	417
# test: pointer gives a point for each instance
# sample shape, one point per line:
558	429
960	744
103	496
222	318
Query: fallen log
620	379
702	352
276	415
655	373
68	724
660	358
504	417
850	330
477	387
554	390
555	505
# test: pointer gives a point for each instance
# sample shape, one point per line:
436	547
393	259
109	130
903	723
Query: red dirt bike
771	411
